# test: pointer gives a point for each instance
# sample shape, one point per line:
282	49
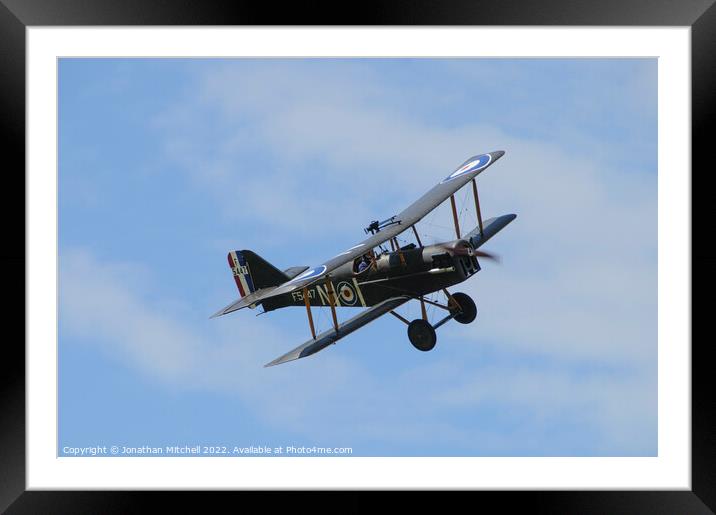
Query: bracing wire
434	230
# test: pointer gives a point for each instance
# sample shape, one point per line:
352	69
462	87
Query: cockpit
362	263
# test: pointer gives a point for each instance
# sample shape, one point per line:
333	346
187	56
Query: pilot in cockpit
363	264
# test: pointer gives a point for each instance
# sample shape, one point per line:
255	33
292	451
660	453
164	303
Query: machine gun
375	226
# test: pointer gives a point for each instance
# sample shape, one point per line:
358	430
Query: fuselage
410	270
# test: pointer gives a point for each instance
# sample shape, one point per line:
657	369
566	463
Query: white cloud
577	287
580	257
102	304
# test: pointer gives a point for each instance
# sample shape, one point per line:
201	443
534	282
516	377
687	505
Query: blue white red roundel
309	274
347	295
472	165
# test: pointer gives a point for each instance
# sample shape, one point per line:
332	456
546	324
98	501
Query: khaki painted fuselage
410	271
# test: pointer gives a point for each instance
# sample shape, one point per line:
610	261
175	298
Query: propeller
487	255
463	248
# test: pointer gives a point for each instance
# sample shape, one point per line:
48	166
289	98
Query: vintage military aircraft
368	275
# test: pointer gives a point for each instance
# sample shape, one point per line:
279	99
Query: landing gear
422	335
467	311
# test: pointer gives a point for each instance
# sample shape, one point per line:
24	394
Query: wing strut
415	231
308	311
332	302
396	247
477	207
454	216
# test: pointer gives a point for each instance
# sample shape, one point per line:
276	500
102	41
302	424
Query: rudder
252	272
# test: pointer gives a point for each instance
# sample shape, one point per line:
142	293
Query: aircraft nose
497	154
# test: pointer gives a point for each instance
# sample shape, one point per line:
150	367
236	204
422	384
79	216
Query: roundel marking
346	293
308	274
476	164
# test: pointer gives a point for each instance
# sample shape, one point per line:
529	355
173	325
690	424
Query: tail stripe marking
241	274
247	276
234	264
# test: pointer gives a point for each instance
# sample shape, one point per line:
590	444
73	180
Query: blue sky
166	165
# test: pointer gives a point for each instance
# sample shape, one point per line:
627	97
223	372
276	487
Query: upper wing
326	338
405	219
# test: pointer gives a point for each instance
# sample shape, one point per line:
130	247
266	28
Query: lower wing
326	338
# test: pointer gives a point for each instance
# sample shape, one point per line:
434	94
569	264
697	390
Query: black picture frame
16	15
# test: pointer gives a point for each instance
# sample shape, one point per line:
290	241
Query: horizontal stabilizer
489	229
326	338
245	302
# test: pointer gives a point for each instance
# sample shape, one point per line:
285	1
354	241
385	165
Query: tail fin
251	272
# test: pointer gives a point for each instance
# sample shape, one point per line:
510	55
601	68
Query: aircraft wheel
469	310
422	335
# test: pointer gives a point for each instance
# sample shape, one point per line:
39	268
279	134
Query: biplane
371	276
